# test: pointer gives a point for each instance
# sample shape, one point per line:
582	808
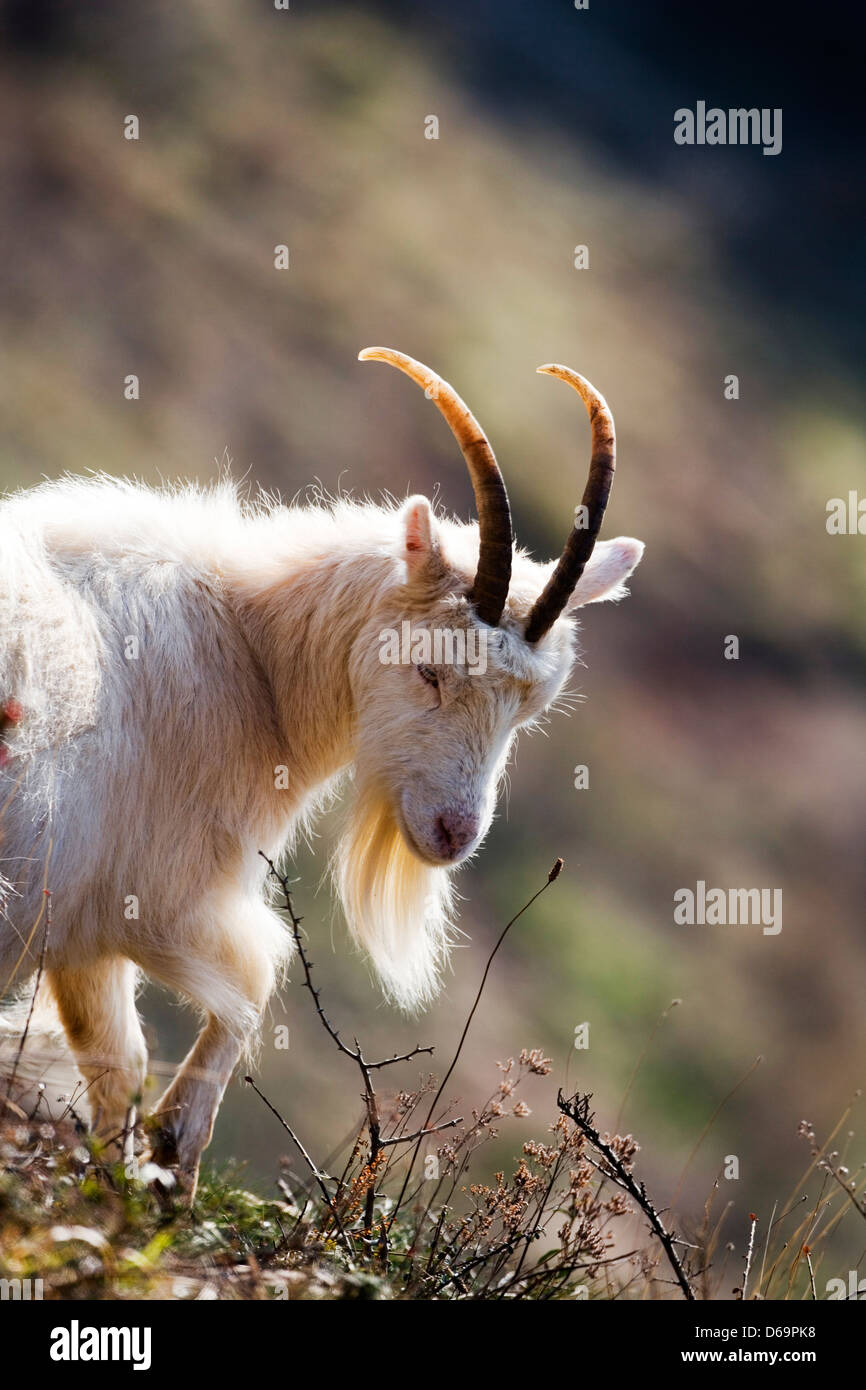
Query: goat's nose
455	830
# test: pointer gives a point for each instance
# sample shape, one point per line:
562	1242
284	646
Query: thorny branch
577	1109
374	1125
553	875
458	1259
306	1157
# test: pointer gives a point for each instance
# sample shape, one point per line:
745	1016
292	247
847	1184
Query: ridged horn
580	544
493	576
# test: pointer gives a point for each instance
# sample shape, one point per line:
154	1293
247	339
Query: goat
192	676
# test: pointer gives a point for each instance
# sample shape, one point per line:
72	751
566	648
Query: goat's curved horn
580	544
490	586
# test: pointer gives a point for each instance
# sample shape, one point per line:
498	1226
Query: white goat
194	675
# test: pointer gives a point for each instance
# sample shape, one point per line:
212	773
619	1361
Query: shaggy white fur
197	674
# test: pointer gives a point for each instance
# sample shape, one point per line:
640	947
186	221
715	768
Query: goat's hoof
174	1184
180	1192
163	1151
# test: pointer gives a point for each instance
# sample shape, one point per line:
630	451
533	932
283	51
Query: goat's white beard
397	908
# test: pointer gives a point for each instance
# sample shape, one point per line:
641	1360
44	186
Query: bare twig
754	1220
577	1110
807	1252
421	1133
555	871
42	954
283	881
839	1175
374	1125
306	1157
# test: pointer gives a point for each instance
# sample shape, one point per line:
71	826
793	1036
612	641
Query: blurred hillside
156	257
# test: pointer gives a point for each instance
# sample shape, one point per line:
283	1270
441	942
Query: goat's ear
608	568
420	538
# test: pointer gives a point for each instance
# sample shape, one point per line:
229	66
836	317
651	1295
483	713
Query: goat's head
471	642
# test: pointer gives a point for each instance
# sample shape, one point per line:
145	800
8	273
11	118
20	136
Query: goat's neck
302	628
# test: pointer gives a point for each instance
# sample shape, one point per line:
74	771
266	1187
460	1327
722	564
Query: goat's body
145	772
143	781
194	675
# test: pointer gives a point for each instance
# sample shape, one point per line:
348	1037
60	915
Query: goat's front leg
229	967
183	1119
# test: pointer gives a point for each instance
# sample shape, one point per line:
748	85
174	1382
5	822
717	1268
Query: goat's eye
429	675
